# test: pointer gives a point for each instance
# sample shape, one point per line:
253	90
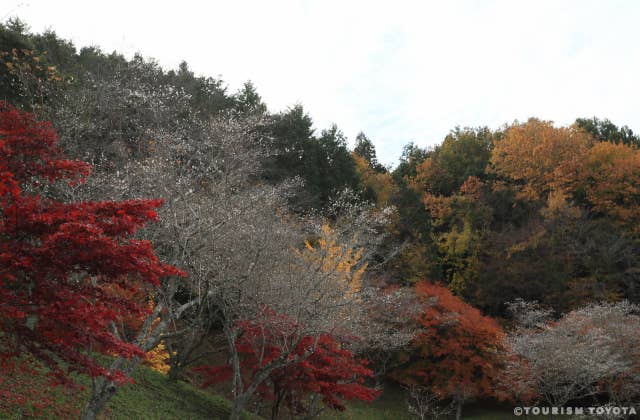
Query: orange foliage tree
548	162
540	156
458	353
609	179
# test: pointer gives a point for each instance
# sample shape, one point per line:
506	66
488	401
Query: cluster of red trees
457	353
58	260
314	365
61	262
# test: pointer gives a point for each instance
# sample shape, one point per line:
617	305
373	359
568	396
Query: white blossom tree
583	354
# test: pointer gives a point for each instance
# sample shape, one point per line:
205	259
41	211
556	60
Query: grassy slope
154	397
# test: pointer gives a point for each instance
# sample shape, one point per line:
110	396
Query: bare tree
424	404
107	118
621	322
386	325
210	195
241	248
571	358
317	286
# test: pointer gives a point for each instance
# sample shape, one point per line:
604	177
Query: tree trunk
174	373
459	410
104	389
237	407
148	337
311	412
275	407
99	399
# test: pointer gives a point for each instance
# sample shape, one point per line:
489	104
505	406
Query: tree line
151	214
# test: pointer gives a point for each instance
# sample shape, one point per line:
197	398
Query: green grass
153	396
391	405
488	414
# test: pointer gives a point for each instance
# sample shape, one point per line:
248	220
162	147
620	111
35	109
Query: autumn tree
240	245
548	193
13	40
31	78
460	222
378	185
318	287
540	157
564	190
58	259
609	182
317	366
418	257
457	350
549	162
439	175
412	156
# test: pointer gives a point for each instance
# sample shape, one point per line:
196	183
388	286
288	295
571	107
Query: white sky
400	71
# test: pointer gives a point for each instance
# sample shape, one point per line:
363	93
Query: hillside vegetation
153	219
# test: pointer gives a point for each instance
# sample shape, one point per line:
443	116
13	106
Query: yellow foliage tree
380	183
459	221
340	260
158	359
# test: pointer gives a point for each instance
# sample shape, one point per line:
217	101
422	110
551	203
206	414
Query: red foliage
458	351
20	380
316	365
58	259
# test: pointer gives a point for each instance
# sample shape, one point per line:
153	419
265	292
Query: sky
399	71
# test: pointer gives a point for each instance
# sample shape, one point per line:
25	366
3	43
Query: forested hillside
151	216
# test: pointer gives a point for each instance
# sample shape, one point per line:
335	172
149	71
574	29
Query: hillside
150	214
152	396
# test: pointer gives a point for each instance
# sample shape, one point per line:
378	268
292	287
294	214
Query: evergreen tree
605	130
366	149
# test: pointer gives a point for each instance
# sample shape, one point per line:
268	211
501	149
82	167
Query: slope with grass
153	396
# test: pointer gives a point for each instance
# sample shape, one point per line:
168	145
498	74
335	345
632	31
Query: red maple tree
457	353
315	365
57	260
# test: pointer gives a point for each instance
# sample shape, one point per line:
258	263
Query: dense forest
151	217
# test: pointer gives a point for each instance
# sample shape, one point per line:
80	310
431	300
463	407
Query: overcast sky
399	71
